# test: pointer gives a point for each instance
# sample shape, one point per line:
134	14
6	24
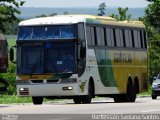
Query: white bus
80	57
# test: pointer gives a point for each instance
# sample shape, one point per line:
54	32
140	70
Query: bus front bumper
72	89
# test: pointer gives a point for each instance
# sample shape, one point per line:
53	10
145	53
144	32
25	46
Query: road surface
143	105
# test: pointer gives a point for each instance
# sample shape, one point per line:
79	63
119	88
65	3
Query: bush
10	78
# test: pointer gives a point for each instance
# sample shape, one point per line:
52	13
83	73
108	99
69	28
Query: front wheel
88	98
77	100
37	100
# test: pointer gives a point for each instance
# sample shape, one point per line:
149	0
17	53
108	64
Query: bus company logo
9	117
82	86
122	57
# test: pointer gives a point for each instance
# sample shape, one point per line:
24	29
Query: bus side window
138	39
98	34
118	37
108	37
89	38
102	37
81	32
112	37
135	38
92	36
127	38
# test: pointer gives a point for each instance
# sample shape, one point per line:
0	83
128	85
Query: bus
3	61
81	56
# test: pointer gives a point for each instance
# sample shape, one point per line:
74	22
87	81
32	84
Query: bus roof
72	19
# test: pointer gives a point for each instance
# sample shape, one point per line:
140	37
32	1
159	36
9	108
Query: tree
66	13
41	16
152	22
152	13
8	11
122	14
101	9
53	14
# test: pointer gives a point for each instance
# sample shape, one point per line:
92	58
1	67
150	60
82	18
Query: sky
84	3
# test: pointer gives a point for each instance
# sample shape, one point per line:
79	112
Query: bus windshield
45	58
47	32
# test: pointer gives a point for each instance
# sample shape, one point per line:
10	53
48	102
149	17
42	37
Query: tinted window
47	32
89	39
98	34
103	37
81	32
109	37
118	37
136	39
114	38
127	38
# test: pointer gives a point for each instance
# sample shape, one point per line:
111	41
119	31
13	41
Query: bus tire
88	98
131	92
37	100
77	100
135	90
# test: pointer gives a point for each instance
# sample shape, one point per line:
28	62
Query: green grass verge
147	93
8	99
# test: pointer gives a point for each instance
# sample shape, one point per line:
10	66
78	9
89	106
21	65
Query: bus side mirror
12	54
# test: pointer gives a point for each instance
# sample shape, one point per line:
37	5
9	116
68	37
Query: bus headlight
67	88
71	80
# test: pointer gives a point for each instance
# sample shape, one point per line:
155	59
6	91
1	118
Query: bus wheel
88	98
77	100
134	92
37	100
131	93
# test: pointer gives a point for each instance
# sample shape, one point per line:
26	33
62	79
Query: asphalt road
66	110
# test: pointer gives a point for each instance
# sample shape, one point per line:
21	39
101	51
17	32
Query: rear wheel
37	100
130	95
154	97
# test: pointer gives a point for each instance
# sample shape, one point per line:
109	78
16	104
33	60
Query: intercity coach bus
80	57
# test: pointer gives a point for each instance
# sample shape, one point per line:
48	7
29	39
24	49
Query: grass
147	93
13	99
11	42
8	99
